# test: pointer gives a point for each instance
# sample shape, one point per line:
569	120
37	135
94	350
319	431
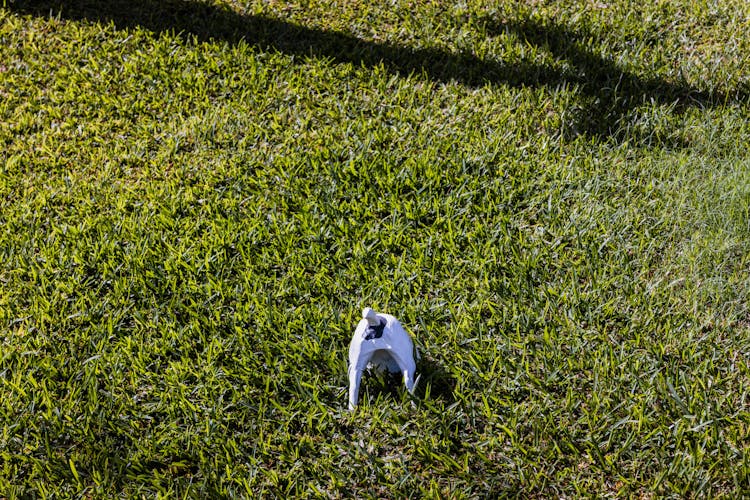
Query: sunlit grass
197	200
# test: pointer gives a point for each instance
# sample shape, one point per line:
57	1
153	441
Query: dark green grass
197	200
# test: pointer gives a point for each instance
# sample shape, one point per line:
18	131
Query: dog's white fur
393	351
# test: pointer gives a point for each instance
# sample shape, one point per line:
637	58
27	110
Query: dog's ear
371	316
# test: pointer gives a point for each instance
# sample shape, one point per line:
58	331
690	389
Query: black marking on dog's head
375	332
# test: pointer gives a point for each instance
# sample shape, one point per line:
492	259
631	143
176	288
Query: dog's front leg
355	377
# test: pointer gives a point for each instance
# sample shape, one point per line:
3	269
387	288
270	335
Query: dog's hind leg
409	369
409	380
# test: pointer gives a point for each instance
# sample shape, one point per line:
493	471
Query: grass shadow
379	385
434	381
608	92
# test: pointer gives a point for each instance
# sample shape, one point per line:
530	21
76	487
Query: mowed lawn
197	199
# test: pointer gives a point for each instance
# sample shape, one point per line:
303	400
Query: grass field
197	199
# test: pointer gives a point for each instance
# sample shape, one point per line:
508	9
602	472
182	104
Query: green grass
197	200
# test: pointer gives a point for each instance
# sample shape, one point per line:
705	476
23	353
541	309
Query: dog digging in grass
381	343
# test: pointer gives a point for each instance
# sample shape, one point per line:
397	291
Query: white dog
380	342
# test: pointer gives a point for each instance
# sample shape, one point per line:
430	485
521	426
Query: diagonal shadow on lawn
609	93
